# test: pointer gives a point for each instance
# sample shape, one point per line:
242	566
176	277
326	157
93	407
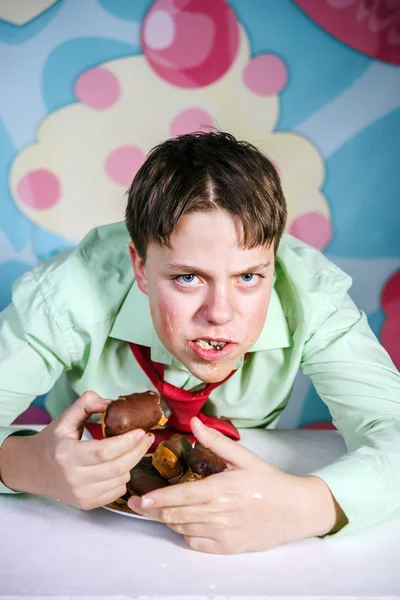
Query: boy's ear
139	269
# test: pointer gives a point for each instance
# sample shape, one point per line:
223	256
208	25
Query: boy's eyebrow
186	269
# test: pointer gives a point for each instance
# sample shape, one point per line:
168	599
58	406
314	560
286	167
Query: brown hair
205	172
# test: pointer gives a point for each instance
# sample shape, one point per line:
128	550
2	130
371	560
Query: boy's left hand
251	506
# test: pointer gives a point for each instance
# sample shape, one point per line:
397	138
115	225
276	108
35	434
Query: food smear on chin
172	322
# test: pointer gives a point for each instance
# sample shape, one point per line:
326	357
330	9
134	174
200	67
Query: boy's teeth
203	344
208	344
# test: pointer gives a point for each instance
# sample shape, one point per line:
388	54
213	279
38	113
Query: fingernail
150	438
140	435
131	504
147	502
199	423
106	400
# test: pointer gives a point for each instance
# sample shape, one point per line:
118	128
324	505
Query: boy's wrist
14	462
323	513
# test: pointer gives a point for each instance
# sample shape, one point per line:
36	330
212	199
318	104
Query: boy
217	297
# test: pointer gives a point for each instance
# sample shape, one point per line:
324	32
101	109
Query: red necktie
183	404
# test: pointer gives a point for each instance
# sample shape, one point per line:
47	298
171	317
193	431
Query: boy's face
207	289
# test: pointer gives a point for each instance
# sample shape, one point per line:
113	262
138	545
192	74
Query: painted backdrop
89	86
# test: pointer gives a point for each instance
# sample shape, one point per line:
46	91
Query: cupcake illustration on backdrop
23	11
196	73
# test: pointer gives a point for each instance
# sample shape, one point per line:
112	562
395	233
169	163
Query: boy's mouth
211	344
212	350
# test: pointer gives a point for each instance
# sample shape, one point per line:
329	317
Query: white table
55	551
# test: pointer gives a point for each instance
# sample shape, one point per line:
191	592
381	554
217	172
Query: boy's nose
218	308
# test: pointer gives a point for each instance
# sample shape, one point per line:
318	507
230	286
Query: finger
71	422
118	466
197	529
97	452
204	544
98	490
97	494
111	495
232	452
200	513
182	494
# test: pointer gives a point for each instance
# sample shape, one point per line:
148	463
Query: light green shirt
72	316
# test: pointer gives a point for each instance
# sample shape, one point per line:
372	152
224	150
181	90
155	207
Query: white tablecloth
52	550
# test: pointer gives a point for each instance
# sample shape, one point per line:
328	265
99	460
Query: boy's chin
210	372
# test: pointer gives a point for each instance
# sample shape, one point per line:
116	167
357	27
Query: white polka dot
159	30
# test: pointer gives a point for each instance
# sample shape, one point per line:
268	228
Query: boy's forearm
15	470
323	514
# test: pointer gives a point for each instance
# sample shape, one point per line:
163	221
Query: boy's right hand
56	462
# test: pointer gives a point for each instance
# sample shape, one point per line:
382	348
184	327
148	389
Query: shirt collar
133	323
275	333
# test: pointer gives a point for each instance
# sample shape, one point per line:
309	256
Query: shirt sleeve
356	378
33	353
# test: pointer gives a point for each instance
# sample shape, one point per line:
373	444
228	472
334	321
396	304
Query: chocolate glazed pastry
135	411
171	456
145	478
202	463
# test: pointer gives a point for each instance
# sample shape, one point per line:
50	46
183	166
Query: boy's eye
186	279
250	279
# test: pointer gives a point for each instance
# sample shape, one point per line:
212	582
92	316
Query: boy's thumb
233	453
72	421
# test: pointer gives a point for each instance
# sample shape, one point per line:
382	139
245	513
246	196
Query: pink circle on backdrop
391	295
98	88
390	335
275	165
190	120
265	75
313	228
341	3
122	164
39	189
34	415
181	4
190	43
319	425
159	31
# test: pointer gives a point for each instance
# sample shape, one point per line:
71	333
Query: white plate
126	513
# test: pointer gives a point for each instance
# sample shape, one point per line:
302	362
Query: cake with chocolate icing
174	460
140	410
